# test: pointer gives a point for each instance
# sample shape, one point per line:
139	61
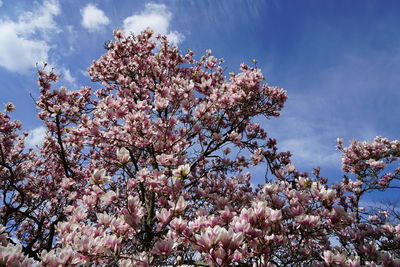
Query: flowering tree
150	170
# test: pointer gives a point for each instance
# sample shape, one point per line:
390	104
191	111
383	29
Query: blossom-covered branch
151	170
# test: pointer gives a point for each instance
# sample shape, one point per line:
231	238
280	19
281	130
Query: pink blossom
109	197
164	216
333	258
152	169
180	205
163	247
99	177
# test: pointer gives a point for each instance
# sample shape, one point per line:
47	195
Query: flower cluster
150	170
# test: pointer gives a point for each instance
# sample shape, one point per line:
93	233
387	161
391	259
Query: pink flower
309	220
333	258
180	205
164	215
12	255
206	239
99	177
354	262
179	225
111	242
376	164
290	168
228	238
235	138
160	103
163	247
274	215
104	218
109	197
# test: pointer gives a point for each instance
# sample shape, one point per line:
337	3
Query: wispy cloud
155	16
93	18
311	152
353	97
35	136
311	143
25	41
66	74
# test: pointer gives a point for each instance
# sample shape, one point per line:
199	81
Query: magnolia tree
151	170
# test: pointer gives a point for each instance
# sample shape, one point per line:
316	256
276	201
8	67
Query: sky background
338	60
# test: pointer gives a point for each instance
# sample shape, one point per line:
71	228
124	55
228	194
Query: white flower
123	155
182	171
99	177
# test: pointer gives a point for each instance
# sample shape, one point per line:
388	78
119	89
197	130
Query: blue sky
338	60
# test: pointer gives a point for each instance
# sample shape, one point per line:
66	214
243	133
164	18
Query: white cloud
35	137
155	16
26	41
70	37
175	37
312	141
1	3
311	151
66	74
93	18
352	99
84	73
